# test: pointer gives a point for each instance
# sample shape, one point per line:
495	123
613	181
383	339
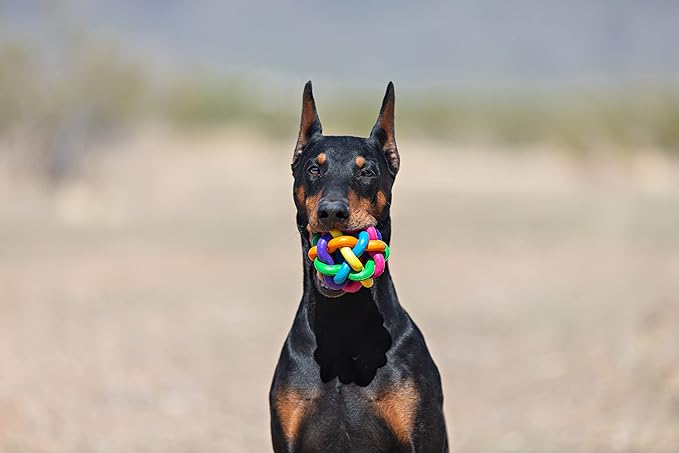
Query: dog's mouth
346	261
351	231
327	288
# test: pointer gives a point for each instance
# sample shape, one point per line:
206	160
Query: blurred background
144	178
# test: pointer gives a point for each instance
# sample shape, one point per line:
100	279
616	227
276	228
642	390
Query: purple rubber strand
322	249
330	283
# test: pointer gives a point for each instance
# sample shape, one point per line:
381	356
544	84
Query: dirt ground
134	318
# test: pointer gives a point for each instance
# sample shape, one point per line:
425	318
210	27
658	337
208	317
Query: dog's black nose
333	210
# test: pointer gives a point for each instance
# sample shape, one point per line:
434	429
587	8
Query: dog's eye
314	170
367	173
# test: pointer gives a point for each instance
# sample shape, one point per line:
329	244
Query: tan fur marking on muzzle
381	202
300	195
311	203
360	210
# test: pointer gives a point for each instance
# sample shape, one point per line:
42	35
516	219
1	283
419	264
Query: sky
435	43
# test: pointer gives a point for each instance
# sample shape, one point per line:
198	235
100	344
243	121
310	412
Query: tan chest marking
292	406
398	408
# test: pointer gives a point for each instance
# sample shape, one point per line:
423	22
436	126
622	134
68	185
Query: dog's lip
353	231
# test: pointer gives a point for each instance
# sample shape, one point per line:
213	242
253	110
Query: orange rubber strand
348	241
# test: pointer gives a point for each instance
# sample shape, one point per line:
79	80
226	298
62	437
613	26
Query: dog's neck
382	294
351	332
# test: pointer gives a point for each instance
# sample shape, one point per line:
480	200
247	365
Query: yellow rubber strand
367	283
351	259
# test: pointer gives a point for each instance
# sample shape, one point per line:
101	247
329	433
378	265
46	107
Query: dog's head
344	182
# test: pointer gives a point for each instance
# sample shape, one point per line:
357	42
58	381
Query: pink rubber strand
372	232
379	263
352	287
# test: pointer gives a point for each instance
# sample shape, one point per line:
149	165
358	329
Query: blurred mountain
458	44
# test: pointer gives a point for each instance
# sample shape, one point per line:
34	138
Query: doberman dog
355	374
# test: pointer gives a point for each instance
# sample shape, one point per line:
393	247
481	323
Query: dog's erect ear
384	132
309	125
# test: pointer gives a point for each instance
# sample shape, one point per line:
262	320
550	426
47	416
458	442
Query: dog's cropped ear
384	132
309	125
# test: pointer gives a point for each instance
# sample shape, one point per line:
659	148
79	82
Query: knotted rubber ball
349	262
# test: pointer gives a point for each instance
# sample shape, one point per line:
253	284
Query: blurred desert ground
149	262
136	316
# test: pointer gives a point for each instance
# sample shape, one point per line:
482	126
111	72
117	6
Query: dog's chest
338	417
347	418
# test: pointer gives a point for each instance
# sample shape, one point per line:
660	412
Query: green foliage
206	102
17	84
63	101
99	82
100	89
648	117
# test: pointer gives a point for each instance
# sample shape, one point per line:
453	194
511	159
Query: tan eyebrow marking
360	161
321	158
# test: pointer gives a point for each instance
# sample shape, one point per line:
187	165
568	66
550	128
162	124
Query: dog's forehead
340	149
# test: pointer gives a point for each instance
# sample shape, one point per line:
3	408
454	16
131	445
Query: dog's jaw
327	292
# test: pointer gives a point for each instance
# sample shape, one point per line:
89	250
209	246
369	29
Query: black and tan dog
355	374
